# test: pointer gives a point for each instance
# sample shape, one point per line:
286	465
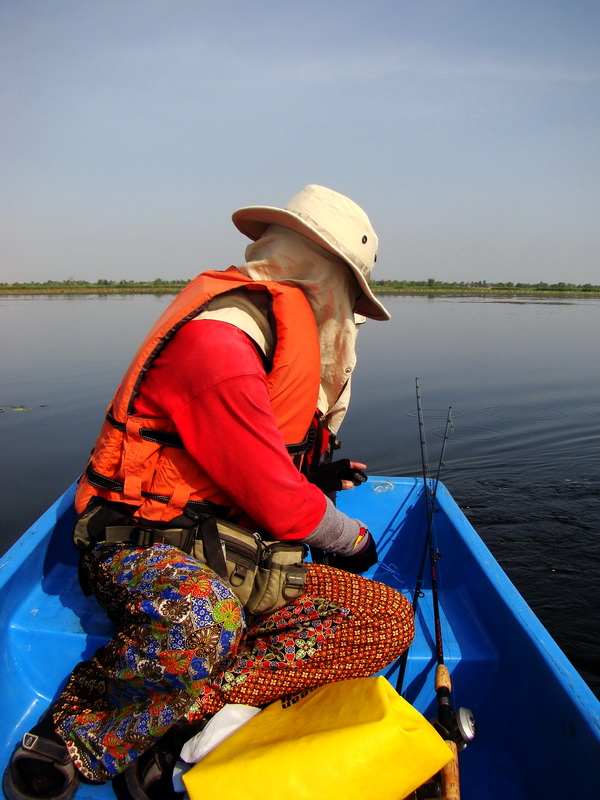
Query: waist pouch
264	574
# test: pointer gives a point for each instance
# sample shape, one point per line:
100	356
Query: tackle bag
264	574
356	739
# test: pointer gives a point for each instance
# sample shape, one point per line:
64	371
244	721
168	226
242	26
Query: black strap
47	748
203	508
166	438
182	538
300	447
172	439
317	447
213	551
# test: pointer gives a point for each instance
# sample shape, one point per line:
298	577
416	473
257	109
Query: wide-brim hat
334	222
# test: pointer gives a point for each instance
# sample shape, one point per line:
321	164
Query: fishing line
434	555
429	493
457	729
394	572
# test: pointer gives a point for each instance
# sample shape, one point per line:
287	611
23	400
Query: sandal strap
39	745
152	771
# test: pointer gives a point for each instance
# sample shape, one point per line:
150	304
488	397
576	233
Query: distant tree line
431	284
105	282
102	284
380	287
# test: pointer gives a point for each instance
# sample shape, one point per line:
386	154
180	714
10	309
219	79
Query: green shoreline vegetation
383	287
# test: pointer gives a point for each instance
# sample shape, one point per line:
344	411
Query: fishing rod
457	729
430	495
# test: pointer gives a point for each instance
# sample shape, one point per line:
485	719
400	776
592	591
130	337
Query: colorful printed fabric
182	649
178	623
343	626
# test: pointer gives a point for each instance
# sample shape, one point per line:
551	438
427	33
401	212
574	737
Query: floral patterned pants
183	649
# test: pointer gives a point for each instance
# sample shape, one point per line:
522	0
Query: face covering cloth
288	257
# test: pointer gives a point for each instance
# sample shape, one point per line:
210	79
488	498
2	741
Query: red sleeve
210	381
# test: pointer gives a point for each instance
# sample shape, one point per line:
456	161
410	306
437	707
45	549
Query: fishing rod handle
442	678
450	779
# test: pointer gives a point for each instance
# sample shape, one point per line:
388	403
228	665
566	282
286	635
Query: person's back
229	413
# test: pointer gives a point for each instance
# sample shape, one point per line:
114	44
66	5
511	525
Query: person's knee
393	620
402	620
197	623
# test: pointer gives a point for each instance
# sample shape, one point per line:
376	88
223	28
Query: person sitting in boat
230	411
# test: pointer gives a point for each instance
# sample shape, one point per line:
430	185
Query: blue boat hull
538	724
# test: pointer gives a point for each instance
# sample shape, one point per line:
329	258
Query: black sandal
150	777
40	767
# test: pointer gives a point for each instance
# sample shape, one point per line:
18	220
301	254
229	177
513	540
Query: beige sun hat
334	222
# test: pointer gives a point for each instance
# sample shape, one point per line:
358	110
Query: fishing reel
459	728
456	726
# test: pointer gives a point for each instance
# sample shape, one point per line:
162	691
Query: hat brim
252	221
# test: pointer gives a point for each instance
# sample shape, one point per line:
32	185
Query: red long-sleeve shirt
210	381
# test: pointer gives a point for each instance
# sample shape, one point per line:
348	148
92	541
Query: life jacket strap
201	508
172	439
181	538
165	438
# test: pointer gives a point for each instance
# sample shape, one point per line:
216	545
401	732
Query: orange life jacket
141	461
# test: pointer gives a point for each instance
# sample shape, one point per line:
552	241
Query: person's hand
338	475
359	562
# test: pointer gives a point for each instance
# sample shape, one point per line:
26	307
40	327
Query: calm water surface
523	461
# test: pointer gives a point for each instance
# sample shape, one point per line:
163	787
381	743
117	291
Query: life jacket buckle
296	578
142	537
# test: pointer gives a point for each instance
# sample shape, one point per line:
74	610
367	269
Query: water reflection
530	482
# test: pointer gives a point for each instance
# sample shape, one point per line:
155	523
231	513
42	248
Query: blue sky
469	130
